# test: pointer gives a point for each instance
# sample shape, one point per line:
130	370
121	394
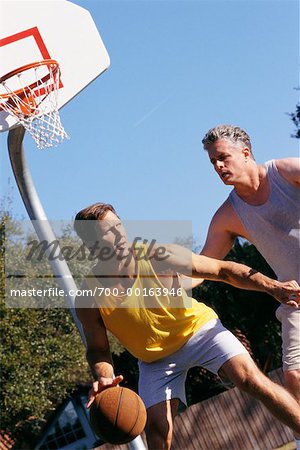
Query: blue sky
177	69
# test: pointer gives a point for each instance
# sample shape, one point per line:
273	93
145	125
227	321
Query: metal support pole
37	215
43	229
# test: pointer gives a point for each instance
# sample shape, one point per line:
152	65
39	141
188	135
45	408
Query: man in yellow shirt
134	291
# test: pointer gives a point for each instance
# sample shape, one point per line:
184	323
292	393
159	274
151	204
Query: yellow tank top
149	323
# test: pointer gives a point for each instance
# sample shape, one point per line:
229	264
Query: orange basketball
118	415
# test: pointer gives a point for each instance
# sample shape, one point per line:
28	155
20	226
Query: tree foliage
295	116
249	315
43	358
42	355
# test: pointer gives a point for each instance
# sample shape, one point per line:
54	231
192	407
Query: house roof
228	420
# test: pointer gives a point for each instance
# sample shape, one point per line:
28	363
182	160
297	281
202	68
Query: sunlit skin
112	234
228	160
112	237
236	167
240	369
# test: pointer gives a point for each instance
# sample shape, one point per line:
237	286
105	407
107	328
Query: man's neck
118	266
254	189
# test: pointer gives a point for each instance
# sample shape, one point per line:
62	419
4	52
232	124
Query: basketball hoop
30	93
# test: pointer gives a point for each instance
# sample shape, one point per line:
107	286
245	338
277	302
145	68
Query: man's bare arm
244	277
289	169
98	353
97	347
219	242
184	261
220	237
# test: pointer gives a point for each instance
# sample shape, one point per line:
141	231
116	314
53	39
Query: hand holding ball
118	415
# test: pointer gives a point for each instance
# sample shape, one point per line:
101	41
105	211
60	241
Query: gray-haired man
263	208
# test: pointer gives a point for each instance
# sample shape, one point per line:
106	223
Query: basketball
118	415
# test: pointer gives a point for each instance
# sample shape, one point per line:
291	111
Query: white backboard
36	30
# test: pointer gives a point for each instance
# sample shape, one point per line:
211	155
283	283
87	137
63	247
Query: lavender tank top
274	227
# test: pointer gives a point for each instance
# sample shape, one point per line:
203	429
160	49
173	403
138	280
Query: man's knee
292	376
244	374
292	382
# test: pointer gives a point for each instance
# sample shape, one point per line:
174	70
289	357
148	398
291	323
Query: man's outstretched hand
288	293
100	385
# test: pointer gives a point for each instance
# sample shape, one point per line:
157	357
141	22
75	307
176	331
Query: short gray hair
229	132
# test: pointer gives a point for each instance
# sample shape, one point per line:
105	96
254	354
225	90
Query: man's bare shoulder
289	169
168	259
226	223
225	216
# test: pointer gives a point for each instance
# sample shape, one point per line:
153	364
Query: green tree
43	358
42	355
249	315
295	116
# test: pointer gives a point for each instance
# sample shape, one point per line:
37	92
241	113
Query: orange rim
22	92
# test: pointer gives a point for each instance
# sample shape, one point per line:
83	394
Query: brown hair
83	223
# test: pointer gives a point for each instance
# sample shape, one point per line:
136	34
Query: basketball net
30	94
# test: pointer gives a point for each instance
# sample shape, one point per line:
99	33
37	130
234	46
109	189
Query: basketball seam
118	408
137	416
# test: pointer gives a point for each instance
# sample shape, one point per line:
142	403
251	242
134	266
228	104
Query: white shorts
290	325
210	348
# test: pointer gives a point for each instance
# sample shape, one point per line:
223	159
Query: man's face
228	160
112	234
110	240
